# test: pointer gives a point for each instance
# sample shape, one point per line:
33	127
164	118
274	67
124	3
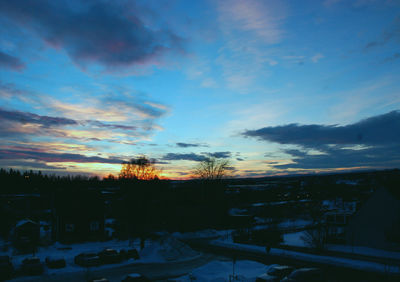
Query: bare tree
212	169
141	168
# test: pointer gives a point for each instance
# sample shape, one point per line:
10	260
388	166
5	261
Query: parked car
109	256
305	275
53	262
87	259
135	277
6	268
32	266
101	279
275	272
130	253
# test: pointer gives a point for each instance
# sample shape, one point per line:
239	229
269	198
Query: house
78	217
337	214
377	222
26	235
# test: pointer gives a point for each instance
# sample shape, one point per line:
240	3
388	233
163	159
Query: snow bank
294	239
167	249
320	259
217	271
206	234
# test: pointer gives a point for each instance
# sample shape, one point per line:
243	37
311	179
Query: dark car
87	259
53	262
109	256
32	266
275	273
101	279
305	275
6	268
130	253
136	277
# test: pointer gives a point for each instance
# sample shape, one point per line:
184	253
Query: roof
25	221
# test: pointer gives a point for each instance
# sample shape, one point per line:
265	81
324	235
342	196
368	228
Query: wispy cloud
317	57
389	34
188	145
184	157
55	157
25	117
259	17
11	62
195	157
250	28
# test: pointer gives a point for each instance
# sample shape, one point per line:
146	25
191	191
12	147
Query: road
154	271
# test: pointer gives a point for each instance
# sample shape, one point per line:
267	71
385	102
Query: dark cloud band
382	129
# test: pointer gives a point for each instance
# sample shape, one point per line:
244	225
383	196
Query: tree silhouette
141	168
212	169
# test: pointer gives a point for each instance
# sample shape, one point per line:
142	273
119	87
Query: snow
294	239
24	221
320	259
296	223
363	251
167	249
109	221
217	271
206	234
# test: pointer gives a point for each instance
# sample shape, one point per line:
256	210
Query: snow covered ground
219	271
320	259
294	239
167	249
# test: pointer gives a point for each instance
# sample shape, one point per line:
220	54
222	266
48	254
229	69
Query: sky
276	87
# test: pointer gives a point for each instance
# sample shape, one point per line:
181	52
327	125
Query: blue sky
278	87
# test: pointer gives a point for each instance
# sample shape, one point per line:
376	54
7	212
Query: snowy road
154	271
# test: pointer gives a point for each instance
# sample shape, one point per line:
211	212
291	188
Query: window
69	227
330	218
340	219
94	226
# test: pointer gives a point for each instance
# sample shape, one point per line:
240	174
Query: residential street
154	271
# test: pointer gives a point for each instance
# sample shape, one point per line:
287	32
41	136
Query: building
26	235
377	222
78	217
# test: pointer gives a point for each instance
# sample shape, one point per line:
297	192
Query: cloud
382	129
100	124
317	57
339	157
187	145
184	157
29	164
195	157
250	29
370	143
219	155
25	117
258	17
11	62
110	33
8	90
392	58
393	32
54	157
